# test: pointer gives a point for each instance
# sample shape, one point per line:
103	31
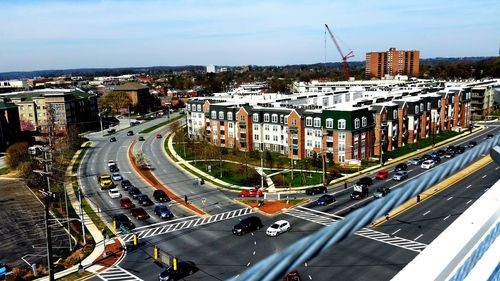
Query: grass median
152	128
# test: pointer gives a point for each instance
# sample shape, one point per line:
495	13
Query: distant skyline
58	34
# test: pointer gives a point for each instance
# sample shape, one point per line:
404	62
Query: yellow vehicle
105	182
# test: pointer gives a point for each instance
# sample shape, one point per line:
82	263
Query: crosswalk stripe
117	273
327	219
176	226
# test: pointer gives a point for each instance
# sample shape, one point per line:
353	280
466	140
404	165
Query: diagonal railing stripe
279	264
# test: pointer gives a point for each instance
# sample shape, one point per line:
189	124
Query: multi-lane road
369	255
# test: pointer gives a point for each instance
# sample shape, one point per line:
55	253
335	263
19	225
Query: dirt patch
273	207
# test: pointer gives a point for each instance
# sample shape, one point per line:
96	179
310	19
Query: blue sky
116	33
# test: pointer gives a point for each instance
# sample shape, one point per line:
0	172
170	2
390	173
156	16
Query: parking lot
23	229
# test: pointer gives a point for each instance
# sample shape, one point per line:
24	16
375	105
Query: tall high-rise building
392	62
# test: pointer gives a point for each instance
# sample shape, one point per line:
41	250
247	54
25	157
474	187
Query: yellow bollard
174	262
155	253
114	225
135	239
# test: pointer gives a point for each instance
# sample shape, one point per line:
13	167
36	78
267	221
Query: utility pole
100	121
47	160
81	216
262	168
323	155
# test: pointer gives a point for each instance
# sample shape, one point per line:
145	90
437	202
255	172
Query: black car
316	190
459	149
365	181
113	168
247	225
111	131
126	184
144	200
427	157
130	133
472	144
325	199
112	139
141	138
489	136
441	152
450	148
184	269
121	219
401	167
134	192
160	196
450	154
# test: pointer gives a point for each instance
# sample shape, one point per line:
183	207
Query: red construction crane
344	58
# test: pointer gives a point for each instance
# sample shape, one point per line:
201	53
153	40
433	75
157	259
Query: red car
382	175
126	203
158	136
139	213
254	192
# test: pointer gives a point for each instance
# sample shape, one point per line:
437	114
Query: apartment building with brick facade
301	125
392	62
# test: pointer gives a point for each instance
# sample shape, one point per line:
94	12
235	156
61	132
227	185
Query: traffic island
272	207
112	254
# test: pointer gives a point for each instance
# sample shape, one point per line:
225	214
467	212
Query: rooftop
131	86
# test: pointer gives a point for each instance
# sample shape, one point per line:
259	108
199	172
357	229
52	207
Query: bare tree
116	101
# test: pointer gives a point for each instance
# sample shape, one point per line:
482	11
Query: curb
433	190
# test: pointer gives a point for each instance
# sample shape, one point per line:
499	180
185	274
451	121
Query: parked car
110	131
114	193
134	192
130	133
381	191
158	136
400	175
441	152
163	211
416	161
126	184
123	220
112	139
489	136
126	203
278	227
141	138
116	177
382	175
253	192
160	196
325	199
139	213
184	269
472	144
316	190
365	181
144	200
247	225
400	167
428	164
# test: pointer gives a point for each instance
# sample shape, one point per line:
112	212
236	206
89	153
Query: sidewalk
96	261
179	161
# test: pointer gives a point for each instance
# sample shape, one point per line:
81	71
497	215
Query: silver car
400	175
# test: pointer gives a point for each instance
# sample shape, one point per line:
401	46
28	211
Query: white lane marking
468	186
252	233
255	242
484	176
426	212
497	168
305	264
254	253
248	264
395	231
310	278
449	198
410	170
418	237
467	203
446	217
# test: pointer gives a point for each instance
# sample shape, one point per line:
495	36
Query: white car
278	228
116	177
427	164
111	163
114	193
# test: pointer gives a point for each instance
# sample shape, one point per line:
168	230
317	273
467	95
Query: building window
364	121
275	118
255	117
267	137
439	103
341	147
294	122
309	143
341	124
266	127
309	121
188	107
342	137
356	123
317	122
329	123
266	117
309	132
428	106
395	114
255	127
214	114
230	125
275	138
198	107
317	144
221	115
416	109
242	117
317	133
256	137
275	128
229	116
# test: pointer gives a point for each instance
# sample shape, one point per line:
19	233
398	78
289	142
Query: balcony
242	124
294	129
329	139
243	131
